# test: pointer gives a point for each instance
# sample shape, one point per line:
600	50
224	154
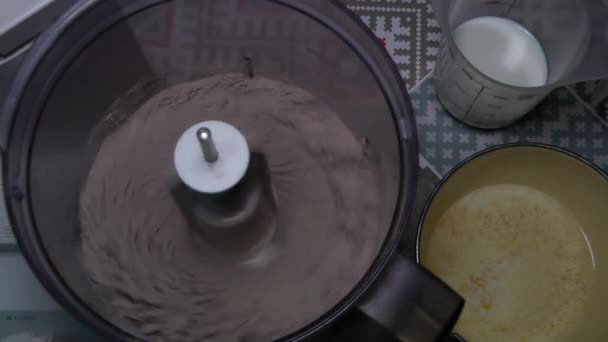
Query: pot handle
412	303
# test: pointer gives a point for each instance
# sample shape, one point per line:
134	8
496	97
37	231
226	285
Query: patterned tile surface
595	95
409	30
559	120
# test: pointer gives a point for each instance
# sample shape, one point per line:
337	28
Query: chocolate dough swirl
162	281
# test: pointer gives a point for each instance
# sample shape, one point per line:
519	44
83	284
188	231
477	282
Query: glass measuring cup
573	36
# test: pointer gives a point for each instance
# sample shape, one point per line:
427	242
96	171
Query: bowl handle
412	303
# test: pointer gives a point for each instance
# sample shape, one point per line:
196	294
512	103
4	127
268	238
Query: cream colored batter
520	260
163	282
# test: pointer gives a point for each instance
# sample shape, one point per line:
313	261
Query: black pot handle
412	303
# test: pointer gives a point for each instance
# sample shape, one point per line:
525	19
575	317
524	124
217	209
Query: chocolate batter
164	281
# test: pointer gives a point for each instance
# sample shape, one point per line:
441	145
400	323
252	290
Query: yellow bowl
521	232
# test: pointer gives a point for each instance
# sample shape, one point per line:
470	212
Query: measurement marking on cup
498	2
471	79
527	97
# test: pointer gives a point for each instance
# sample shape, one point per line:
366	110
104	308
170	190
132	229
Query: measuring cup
573	35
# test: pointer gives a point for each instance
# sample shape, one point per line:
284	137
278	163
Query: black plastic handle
412	303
